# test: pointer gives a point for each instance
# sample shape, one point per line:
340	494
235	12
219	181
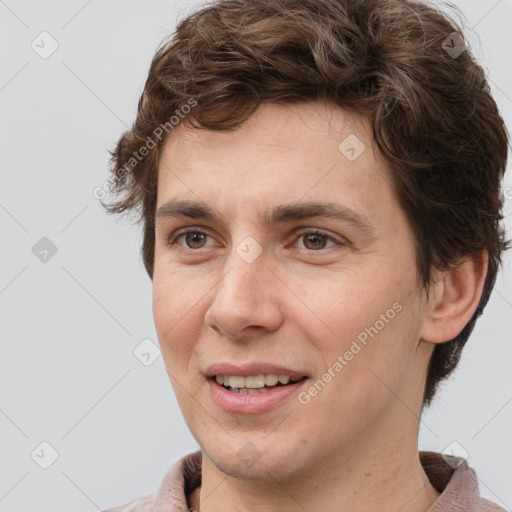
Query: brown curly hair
392	61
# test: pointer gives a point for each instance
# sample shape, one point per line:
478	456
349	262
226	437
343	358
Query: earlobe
454	298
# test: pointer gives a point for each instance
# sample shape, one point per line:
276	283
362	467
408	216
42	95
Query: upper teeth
254	381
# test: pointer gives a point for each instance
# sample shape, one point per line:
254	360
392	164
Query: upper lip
248	369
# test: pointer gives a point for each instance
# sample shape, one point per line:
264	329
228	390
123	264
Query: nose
245	299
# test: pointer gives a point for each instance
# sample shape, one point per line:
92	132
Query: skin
301	303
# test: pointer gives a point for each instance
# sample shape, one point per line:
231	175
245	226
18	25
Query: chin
254	461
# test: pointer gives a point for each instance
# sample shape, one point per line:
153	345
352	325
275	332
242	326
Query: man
319	183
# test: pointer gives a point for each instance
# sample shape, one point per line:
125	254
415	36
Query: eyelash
306	231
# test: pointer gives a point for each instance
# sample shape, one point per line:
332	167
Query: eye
316	240
192	238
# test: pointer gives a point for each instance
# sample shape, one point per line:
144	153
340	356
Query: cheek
176	315
164	307
345	303
365	320
175	296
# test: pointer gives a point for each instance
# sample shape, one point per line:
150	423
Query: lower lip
251	403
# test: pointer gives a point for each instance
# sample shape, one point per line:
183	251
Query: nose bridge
245	274
244	295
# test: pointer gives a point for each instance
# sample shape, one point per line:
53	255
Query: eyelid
172	239
312	230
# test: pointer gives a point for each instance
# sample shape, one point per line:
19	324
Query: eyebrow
178	208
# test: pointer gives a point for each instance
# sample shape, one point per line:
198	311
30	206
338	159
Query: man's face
330	298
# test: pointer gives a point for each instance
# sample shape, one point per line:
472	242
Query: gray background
70	324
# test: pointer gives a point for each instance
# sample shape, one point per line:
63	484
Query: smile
253	384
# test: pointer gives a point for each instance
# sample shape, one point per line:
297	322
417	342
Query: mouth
251	394
254	384
253	387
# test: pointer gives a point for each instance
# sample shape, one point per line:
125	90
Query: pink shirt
456	482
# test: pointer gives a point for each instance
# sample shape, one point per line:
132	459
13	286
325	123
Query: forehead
278	125
284	153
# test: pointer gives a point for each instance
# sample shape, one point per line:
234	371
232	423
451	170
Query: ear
454	297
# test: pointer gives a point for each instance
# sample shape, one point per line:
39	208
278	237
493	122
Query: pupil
194	236
316	237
